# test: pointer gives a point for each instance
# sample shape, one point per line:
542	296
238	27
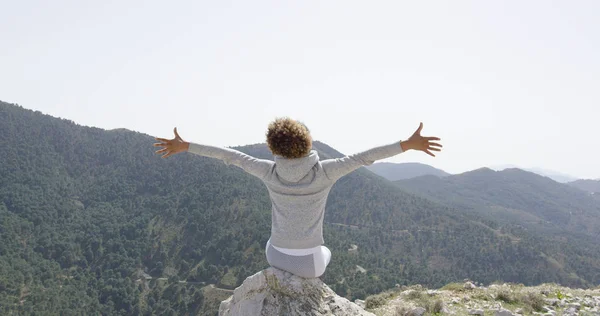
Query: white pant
307	266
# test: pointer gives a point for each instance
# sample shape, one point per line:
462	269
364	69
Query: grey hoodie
298	187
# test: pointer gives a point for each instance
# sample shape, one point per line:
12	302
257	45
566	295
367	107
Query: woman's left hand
424	144
171	146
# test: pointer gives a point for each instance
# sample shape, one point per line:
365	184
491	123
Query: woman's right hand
171	146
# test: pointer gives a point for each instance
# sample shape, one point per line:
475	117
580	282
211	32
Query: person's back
298	189
298	184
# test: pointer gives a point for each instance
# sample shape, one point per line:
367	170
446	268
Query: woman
298	185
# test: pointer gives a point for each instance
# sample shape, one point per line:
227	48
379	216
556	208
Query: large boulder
275	292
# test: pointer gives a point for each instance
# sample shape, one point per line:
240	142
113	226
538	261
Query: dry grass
454	299
533	300
507	296
436	307
415	295
454	287
422	299
378	300
402	311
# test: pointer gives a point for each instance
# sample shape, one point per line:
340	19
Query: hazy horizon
501	83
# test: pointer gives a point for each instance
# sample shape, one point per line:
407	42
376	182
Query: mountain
554	175
400	171
551	212
93	222
526	196
592	186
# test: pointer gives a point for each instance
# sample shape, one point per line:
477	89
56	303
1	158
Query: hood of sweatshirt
293	170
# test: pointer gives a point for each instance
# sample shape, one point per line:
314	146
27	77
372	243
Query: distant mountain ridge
562	205
554	175
407	170
592	186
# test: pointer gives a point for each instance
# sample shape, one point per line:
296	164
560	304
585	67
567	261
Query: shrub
506	296
481	295
534	300
436	307
375	301
415	295
402	311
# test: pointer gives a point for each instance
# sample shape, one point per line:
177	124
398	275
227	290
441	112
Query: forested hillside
92	221
523	196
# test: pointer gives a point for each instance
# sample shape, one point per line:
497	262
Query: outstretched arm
336	168
254	166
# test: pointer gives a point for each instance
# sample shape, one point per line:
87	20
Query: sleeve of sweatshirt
257	167
337	168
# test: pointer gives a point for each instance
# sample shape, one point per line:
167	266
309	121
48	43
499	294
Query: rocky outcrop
496	299
275	292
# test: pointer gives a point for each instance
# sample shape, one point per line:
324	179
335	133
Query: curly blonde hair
288	138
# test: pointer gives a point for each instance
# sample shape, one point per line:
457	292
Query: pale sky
502	82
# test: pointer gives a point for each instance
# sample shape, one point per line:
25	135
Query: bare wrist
406	145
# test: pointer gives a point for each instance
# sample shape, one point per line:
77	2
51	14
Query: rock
432	292
455	300
361	269
552	301
407	292
417	311
587	302
353	249
547	309
360	303
519	312
476	312
275	292
577	306
504	312
545	292
470	286
571	311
